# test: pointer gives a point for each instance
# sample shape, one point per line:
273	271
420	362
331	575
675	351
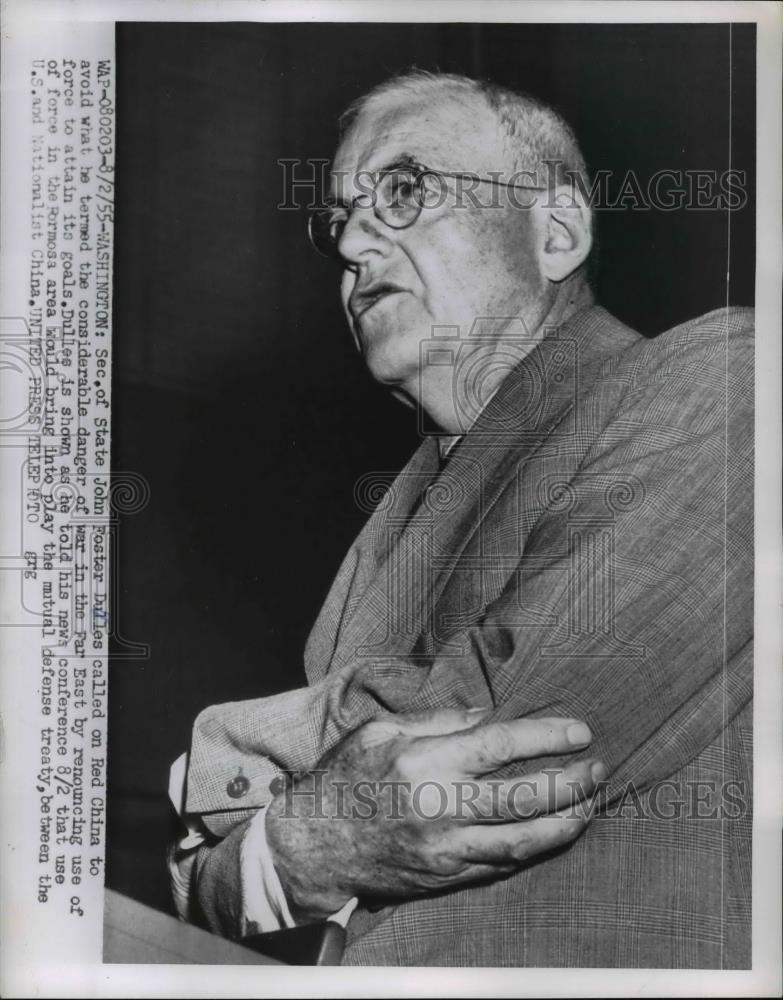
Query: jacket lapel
391	497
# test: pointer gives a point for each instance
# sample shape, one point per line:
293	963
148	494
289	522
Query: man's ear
565	234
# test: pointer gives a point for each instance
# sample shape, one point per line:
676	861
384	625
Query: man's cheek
447	283
448	306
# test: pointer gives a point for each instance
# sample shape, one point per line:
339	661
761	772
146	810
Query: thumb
433	722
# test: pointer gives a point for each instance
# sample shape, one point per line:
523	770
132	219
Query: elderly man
564	564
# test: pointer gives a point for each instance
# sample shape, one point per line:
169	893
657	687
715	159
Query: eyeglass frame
421	171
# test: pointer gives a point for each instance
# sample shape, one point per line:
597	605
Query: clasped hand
403	807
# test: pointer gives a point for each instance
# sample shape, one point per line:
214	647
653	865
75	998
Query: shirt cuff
265	907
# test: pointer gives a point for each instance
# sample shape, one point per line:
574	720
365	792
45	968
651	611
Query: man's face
453	265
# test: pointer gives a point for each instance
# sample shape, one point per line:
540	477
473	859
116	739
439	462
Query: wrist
299	847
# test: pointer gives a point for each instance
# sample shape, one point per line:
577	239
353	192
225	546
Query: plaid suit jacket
585	551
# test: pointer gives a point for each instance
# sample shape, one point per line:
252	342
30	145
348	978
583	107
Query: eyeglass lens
397	200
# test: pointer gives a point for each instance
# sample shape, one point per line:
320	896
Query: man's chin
391	356
389	367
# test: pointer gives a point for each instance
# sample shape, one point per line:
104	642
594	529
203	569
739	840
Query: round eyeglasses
397	196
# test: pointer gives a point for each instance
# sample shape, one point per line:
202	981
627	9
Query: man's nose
363	236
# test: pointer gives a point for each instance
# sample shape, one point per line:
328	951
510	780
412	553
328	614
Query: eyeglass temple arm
488	180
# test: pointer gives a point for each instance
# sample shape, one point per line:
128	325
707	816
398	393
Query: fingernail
475	711
578	734
598	771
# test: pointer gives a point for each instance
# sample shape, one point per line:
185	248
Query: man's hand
402	807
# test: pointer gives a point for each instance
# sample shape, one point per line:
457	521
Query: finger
488	747
525	798
434	722
516	843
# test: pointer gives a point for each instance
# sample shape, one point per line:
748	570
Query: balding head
527	133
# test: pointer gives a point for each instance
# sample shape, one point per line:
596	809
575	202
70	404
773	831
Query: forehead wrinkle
427	137
377	153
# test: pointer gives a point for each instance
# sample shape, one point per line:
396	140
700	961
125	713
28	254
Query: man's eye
401	190
404	191
432	190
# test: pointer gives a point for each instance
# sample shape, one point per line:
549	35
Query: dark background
237	392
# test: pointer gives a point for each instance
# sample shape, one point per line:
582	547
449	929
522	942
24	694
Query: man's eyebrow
403	160
399	161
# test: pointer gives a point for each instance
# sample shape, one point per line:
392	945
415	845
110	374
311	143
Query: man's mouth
363	299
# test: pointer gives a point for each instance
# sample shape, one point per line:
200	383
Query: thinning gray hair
530	131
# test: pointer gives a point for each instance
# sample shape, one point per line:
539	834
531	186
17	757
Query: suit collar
543	386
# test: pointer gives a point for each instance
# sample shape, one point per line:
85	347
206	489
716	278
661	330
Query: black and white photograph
519	277
432	595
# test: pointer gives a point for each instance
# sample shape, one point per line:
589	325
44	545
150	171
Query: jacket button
278	784
238	786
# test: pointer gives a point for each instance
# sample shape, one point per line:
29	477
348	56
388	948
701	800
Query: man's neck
454	395
573	299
